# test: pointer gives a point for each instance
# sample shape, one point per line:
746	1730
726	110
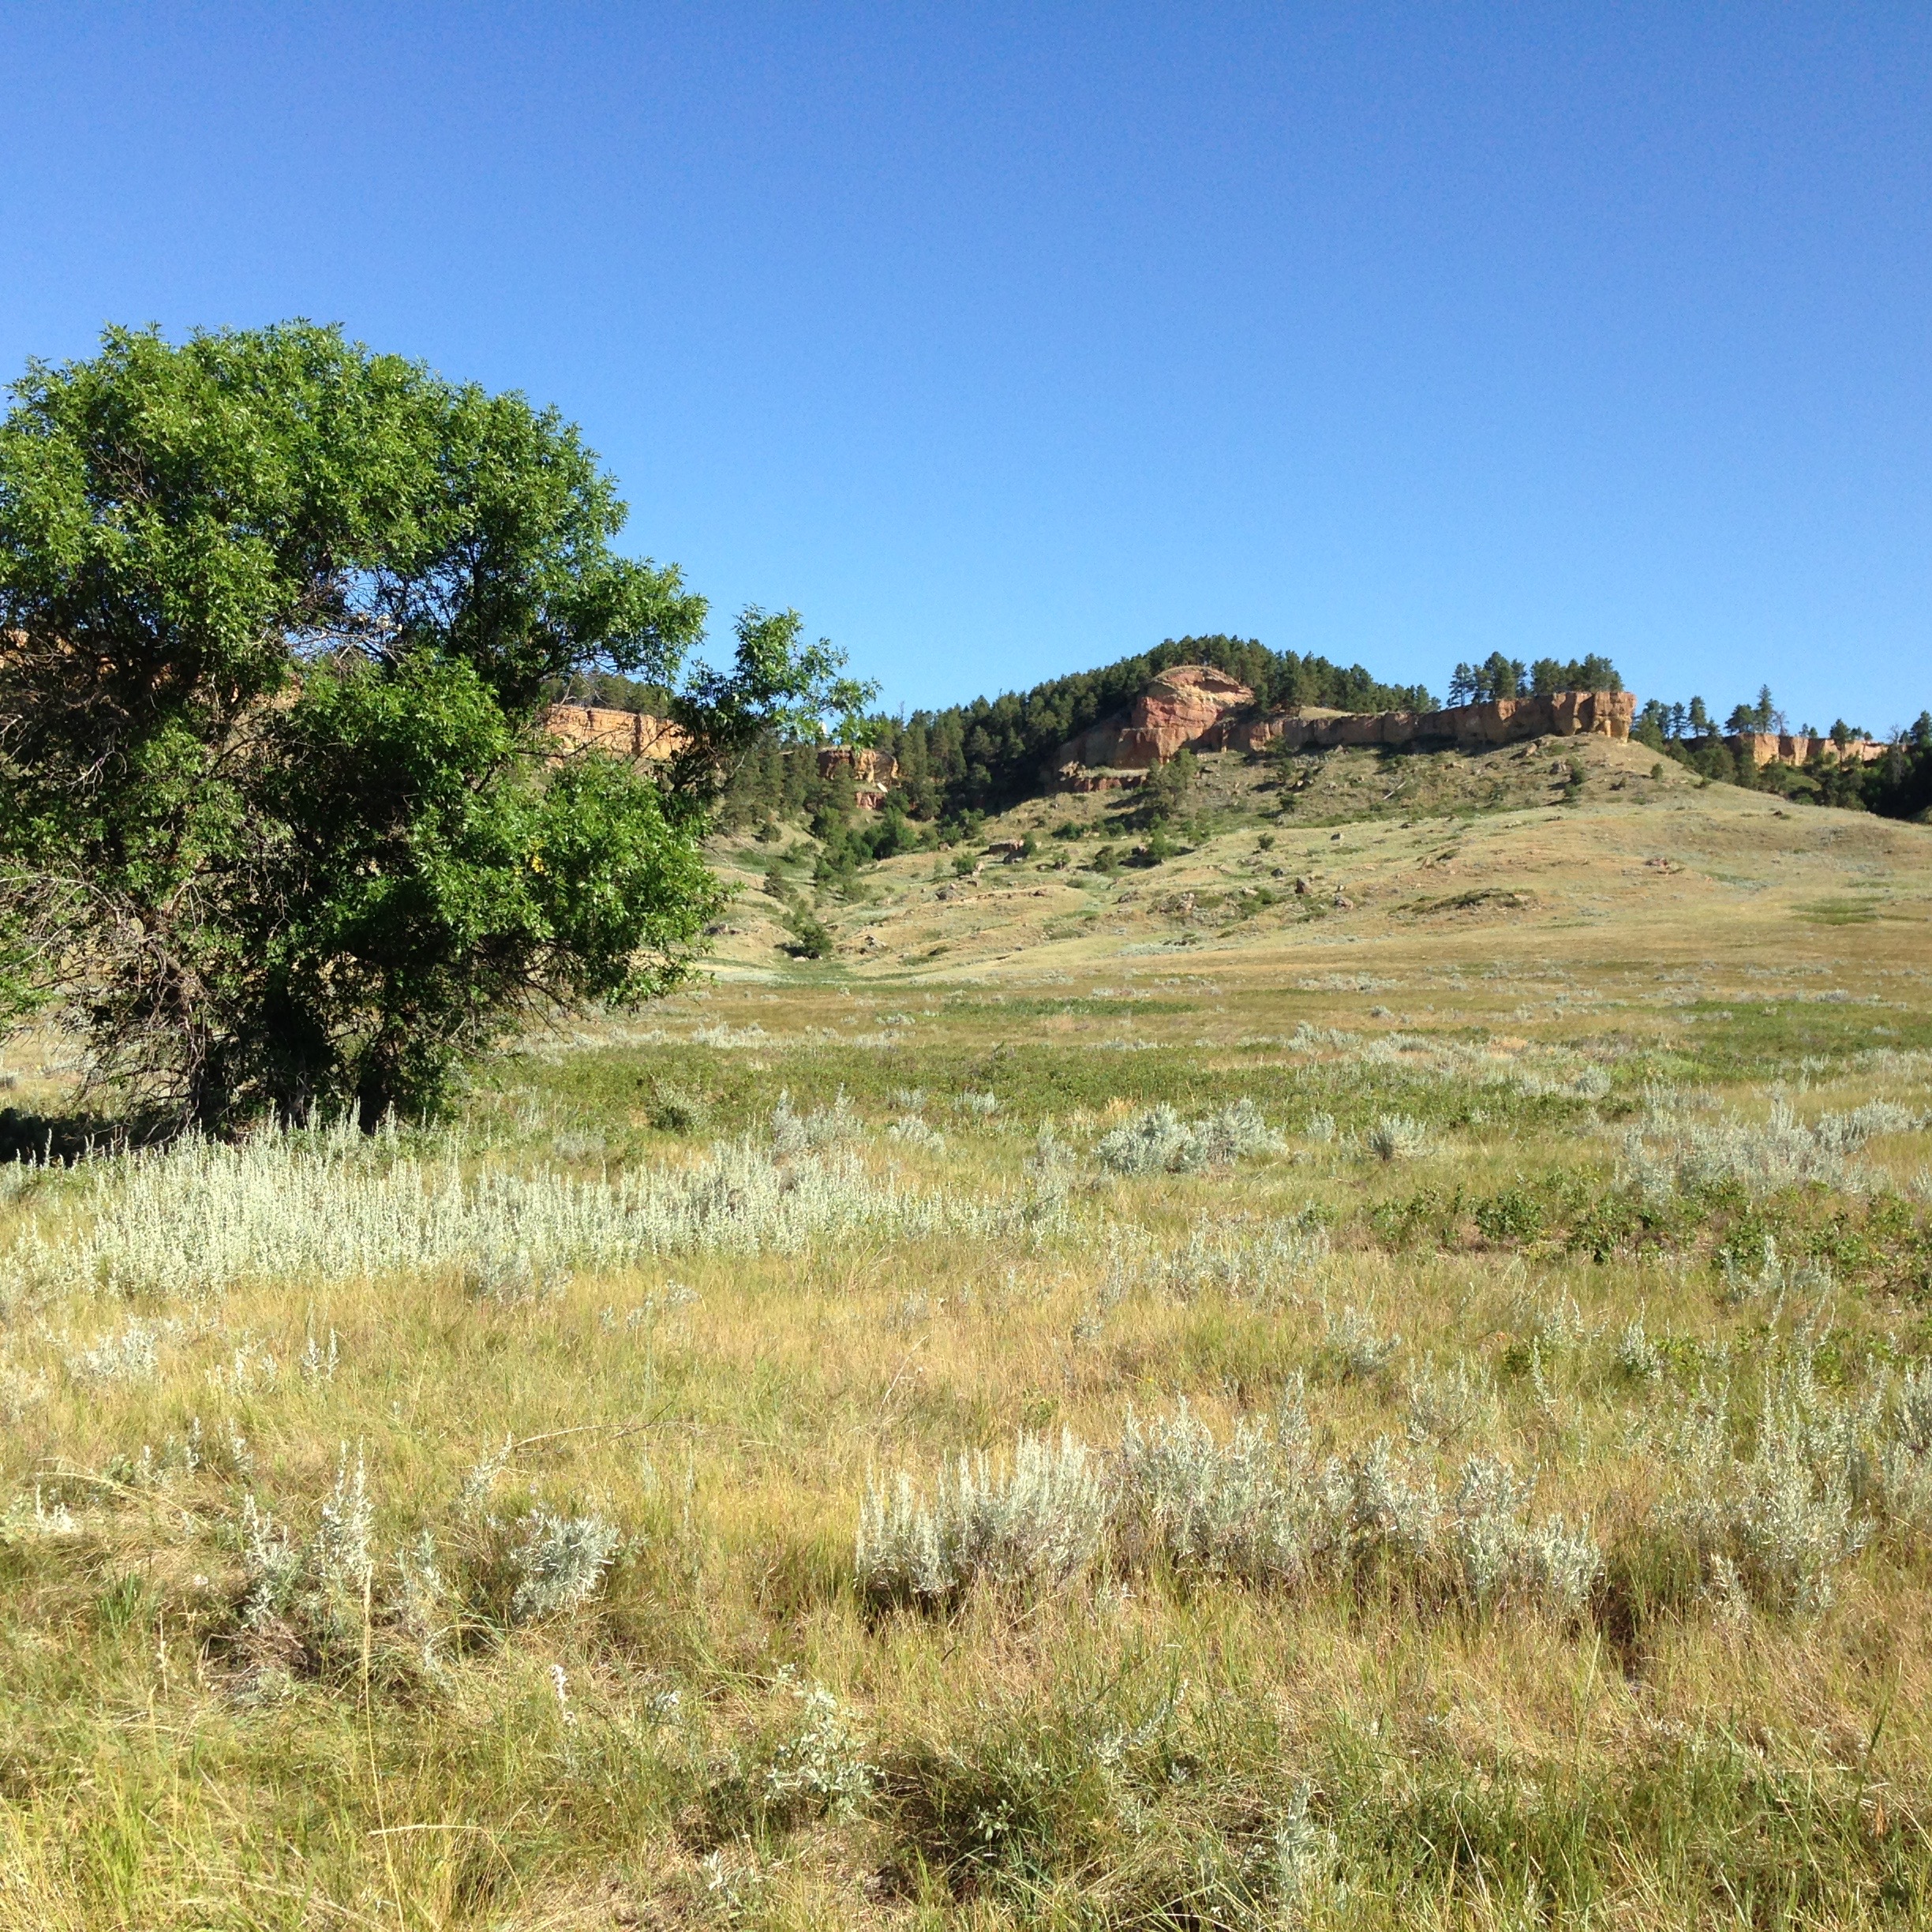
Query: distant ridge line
1200	707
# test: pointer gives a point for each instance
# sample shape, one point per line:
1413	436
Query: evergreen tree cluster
1498	677
987	754
1897	786
1764	716
957	764
610	691
1659	725
1900	785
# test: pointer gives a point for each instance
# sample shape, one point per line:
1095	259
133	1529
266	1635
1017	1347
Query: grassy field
1131	1407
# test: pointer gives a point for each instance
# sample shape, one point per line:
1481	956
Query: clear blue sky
1003	342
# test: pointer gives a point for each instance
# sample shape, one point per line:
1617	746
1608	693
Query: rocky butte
638	735
1195	707
1180	708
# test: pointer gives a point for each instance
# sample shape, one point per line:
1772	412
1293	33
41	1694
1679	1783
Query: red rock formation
868	766
1178	708
1081	778
1197	706
1506	720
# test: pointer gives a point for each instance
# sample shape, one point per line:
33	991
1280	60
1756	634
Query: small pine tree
1499	677
1165	794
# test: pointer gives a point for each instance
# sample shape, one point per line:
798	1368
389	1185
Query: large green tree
278	819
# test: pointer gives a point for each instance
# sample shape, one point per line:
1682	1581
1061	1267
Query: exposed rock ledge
621	734
1180	707
1504	720
1795	748
1197	707
638	735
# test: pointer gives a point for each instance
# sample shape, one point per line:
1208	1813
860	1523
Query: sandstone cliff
872	772
1504	720
1196	707
1180	707
638	735
868	766
1795	748
623	734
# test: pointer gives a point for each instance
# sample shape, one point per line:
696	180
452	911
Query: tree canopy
1498	677
278	618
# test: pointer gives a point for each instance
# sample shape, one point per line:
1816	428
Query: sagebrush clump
1159	1140
1035	1518
1260	1506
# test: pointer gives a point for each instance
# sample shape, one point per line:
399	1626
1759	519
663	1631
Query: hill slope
1439	855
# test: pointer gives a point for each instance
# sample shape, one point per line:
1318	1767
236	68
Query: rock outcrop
1789	748
1502	720
1199	708
868	766
872	772
622	734
1180	707
638	735
1085	778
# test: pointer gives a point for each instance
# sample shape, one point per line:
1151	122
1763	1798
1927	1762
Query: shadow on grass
62	1139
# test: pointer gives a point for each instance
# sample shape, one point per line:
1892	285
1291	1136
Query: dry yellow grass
1658	869
720	1728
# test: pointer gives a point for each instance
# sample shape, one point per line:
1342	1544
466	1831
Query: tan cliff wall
1195	707
1795	748
868	766
622	734
872	772
638	735
1504	720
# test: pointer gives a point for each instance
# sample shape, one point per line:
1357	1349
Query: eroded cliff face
638	735
872	772
1504	720
868	766
1199	708
622	734
1795	748
1179	708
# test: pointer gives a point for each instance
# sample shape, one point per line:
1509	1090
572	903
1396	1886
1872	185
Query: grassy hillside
1561	833
1133	1396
